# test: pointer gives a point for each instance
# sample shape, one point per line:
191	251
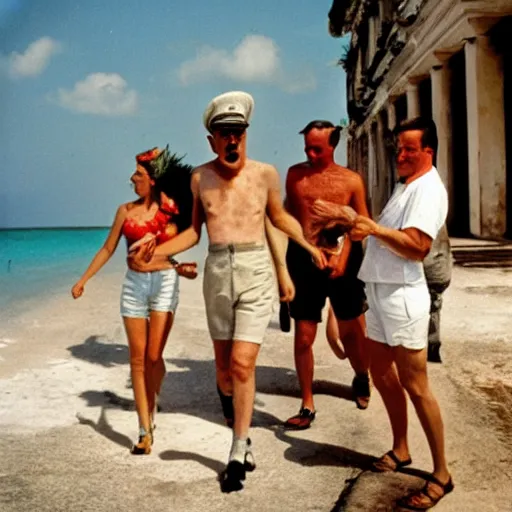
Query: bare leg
136	330
242	371
160	324
352	335
305	333
222	350
333	335
243	366
386	381
412	369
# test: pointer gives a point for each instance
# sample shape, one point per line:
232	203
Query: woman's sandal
143	447
382	466
427	500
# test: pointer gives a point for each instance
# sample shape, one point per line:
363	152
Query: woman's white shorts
149	291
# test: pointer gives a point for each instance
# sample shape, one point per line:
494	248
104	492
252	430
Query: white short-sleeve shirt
422	204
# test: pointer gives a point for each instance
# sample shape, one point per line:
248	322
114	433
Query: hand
148	237
363	227
188	270
77	290
319	258
337	264
137	260
286	286
327	210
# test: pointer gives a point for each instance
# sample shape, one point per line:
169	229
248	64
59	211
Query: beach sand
67	415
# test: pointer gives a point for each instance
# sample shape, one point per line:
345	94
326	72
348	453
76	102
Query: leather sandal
301	421
382	465
427	499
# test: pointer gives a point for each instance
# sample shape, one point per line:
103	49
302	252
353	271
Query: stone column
442	114
413	100
486	138
391	116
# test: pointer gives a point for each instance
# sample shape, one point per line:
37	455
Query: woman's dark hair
319	124
426	126
174	182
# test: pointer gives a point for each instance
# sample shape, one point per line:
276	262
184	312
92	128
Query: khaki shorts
239	291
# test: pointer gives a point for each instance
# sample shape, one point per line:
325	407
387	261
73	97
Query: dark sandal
377	466
428	500
361	391
301	421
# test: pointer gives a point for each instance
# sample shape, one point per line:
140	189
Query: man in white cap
232	195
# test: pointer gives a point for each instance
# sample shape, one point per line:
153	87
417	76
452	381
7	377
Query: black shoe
433	355
232	477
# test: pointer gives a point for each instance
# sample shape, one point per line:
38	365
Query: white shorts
239	292
398	315
149	291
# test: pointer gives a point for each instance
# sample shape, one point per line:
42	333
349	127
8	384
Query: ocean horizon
36	262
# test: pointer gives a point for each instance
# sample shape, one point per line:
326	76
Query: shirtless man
232	195
321	178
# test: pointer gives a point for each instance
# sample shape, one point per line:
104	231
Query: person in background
438	272
321	178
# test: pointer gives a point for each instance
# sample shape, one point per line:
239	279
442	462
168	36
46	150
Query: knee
153	359
416	389
303	342
383	380
137	364
241	369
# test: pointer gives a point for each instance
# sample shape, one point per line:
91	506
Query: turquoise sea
38	262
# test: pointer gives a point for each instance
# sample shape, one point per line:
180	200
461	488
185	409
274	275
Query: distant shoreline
56	228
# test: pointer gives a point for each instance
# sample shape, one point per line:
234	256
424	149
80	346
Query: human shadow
312	453
192	389
95	350
103	427
172	455
108	399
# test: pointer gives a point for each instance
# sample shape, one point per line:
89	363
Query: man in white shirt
399	303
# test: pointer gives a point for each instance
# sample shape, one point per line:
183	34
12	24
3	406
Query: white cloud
35	59
105	94
255	59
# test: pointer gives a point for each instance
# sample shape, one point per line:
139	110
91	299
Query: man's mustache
231	147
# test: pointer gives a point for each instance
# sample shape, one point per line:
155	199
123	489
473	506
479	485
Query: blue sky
87	84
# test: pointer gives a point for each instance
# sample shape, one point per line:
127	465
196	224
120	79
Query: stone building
447	59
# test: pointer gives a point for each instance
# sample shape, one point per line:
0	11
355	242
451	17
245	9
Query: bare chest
241	197
329	187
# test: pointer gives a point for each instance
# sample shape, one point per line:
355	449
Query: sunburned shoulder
348	174
300	167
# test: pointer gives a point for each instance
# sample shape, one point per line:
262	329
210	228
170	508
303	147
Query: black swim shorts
313	286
